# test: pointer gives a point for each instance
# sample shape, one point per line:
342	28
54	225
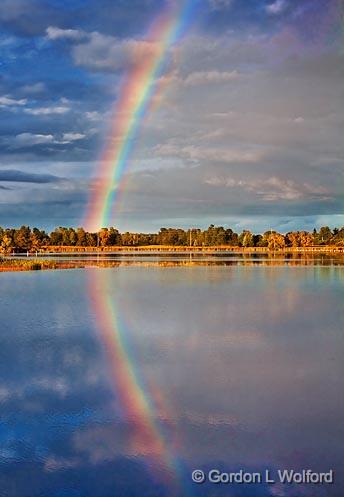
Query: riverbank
178	249
48	252
81	261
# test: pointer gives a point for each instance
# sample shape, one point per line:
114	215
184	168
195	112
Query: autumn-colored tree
81	237
306	239
104	237
276	241
293	239
35	242
246	239
7	243
91	239
22	239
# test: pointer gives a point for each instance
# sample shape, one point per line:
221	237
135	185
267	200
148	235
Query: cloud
33	139
93	115
277	7
100	52
272	189
71	137
55	33
299	120
208	77
12	9
226	155
220	4
251	103
29	139
29	18
45	111
107	53
33	89
54	463
15	176
6	101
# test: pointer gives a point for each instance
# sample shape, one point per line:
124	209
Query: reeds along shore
165	249
163	258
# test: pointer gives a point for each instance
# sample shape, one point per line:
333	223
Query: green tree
324	235
246	239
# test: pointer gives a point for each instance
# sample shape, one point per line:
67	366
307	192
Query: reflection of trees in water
172	260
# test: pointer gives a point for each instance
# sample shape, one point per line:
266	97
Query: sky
247	133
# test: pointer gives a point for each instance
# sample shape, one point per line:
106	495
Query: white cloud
71	137
226	155
45	111
33	139
299	120
271	189
93	116
206	77
277	7
55	33
107	53
100	52
28	139
6	101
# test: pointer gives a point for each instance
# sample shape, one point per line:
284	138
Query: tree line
33	240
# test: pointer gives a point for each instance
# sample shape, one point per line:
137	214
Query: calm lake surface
120	382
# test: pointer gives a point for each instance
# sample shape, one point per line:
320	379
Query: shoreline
177	249
65	260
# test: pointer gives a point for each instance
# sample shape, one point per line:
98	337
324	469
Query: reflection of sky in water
247	364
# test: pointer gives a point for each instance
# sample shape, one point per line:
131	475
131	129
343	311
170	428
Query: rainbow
147	434
138	88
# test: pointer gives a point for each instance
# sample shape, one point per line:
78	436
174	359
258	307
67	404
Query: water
122	381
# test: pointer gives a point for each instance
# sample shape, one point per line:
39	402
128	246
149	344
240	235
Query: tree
114	237
104	237
338	238
325	235
22	239
91	239
293	239
276	241
56	237
7	243
81	237
246	239
306	239
35	242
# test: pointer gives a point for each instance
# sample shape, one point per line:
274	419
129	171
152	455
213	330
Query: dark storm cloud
15	176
